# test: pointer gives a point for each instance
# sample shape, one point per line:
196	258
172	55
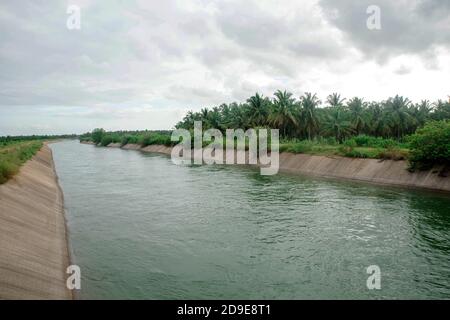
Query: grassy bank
355	147
15	153
427	147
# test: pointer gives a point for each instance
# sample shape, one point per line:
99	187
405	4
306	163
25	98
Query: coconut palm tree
238	116
334	100
309	117
284	114
441	110
399	117
336	124
356	107
420	113
214	118
377	123
257	110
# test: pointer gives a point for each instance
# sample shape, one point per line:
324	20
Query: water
141	227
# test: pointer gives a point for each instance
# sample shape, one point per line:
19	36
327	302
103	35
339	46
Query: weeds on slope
13	155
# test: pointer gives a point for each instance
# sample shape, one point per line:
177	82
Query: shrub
350	143
430	145
372	142
130	139
97	135
85	139
125	140
393	154
156	138
7	170
107	139
361	140
297	147
115	138
352	153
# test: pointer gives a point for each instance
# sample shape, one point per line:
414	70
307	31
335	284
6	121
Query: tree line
307	117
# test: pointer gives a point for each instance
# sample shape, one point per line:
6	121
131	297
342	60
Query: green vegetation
97	135
355	147
16	150
143	138
430	146
353	128
307	117
13	154
14	139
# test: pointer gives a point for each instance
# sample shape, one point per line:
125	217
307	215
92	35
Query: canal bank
384	172
34	251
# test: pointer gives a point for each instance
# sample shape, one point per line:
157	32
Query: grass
14	154
372	148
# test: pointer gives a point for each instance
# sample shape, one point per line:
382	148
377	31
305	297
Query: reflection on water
142	227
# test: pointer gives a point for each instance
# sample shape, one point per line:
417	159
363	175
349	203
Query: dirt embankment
387	172
33	245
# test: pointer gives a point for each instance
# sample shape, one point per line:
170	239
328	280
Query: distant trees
97	135
258	110
306	117
11	139
335	100
358	114
336	125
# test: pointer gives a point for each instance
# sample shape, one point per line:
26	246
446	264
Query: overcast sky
143	64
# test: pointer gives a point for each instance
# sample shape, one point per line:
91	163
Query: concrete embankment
387	172
33	238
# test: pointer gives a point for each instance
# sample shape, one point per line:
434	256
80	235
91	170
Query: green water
141	227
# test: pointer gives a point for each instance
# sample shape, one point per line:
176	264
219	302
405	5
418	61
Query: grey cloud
195	95
302	34
173	55
408	26
402	70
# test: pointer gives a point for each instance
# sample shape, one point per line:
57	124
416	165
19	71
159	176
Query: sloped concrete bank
34	251
386	172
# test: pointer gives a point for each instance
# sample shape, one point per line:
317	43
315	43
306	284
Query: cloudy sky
143	64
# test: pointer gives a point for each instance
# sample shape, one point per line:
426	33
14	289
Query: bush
362	140
350	143
393	154
372	142
134	139
7	170
297	147
356	154
116	138
107	139
125	140
97	135
430	146
156	138
85	139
